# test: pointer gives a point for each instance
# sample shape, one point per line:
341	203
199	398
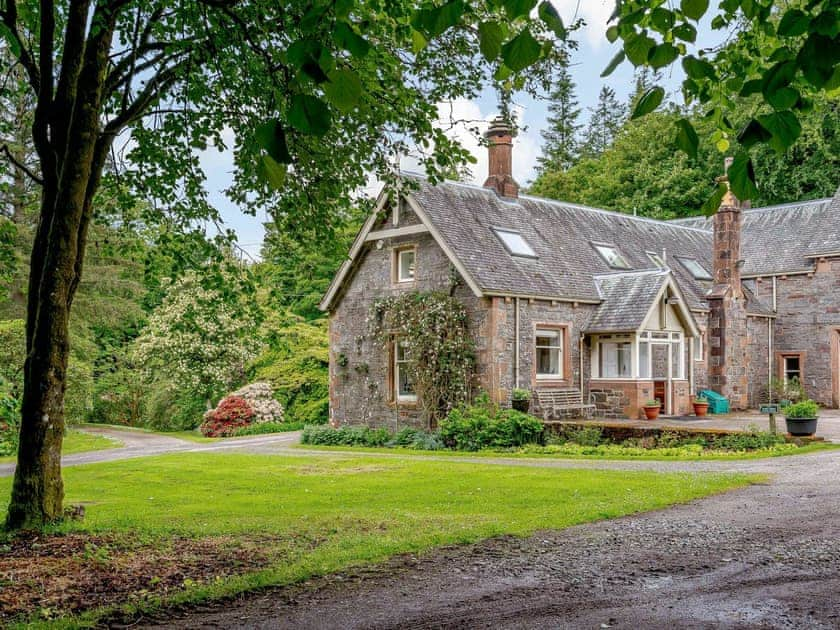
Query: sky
587	62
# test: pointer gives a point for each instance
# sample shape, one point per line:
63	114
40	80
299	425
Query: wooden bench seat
556	403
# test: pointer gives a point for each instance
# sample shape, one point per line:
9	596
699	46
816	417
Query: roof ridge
653	271
790	204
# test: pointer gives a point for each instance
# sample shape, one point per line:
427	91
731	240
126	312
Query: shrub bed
232	414
485	425
268	427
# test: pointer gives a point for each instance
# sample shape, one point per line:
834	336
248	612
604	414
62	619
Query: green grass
329	513
78	442
535	452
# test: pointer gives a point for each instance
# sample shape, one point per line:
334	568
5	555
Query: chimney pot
499	137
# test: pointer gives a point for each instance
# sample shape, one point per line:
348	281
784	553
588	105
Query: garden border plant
434	328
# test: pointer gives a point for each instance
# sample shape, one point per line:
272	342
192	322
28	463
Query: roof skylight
514	242
612	256
696	269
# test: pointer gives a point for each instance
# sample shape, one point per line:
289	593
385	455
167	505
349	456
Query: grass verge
77	442
585	453
309	516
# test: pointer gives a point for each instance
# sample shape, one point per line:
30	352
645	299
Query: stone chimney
500	151
728	335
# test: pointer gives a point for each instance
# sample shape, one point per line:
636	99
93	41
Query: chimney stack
729	359
500	151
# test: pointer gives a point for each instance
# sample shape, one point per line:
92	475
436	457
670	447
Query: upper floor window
611	255
514	242
406	259
549	354
696	269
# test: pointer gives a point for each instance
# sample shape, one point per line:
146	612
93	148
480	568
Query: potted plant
651	408
701	406
801	417
521	399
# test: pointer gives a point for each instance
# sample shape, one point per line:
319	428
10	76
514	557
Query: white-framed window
406	260
515	243
549	353
699	354
403	384
696	269
644	359
611	255
792	367
614	359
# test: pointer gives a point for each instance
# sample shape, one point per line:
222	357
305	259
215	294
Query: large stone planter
801	427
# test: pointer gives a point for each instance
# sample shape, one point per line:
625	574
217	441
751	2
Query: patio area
828	426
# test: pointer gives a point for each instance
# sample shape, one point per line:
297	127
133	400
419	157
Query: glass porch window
615	359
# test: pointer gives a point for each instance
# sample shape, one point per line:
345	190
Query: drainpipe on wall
580	360
775	308
691	389
516	342
770	352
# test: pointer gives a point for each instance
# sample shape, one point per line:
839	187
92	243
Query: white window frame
611	255
786	371
621	346
518	246
399	397
399	253
551	333
699	347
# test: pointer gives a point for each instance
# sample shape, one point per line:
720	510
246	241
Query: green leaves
742	177
662	55
522	51
272	137
310	115
433	21
11	41
784	127
349	40
272	172
550	17
711	205
753	133
649	101
344	89
613	64
490	39
698	68
794	22
687	139
637	47
694	9
518	8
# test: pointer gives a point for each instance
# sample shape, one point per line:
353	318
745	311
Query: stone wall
757	371
808	322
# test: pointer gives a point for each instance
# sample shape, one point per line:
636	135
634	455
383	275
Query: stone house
562	296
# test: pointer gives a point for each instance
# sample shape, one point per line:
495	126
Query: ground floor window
792	368
403	385
615	359
549	354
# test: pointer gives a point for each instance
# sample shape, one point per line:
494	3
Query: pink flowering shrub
231	414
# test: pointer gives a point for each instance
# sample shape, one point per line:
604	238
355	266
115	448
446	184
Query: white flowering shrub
196	340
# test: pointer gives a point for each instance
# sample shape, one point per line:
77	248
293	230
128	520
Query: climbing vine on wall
434	330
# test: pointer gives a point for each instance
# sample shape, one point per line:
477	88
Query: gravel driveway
766	556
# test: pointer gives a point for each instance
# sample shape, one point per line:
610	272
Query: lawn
187	527
77	442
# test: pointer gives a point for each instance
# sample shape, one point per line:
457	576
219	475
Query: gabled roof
629	298
784	238
560	234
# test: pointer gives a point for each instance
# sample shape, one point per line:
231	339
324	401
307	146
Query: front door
661	370
659	389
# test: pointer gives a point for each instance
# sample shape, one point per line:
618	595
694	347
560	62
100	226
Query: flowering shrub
225	420
433	328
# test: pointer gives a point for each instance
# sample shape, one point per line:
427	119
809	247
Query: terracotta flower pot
651	413
701	409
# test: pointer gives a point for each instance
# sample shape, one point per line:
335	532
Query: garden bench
564	402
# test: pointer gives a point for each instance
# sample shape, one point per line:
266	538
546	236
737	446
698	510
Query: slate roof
561	235
627	299
780	239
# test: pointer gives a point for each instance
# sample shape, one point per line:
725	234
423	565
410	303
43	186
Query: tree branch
22	167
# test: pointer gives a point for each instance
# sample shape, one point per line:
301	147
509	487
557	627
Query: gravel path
767	556
144	444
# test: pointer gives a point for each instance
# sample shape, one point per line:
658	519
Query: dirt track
767	556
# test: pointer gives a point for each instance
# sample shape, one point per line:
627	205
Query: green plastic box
717	403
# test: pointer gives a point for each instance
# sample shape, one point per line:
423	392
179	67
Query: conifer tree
561	144
607	118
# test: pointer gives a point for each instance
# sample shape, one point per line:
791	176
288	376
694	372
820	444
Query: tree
785	53
560	138
605	121
318	94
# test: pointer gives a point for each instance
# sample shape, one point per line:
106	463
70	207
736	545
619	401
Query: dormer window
657	260
611	256
696	269
405	259
515	243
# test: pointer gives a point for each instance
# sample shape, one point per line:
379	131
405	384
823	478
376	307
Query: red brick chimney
500	151
727	241
729	359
